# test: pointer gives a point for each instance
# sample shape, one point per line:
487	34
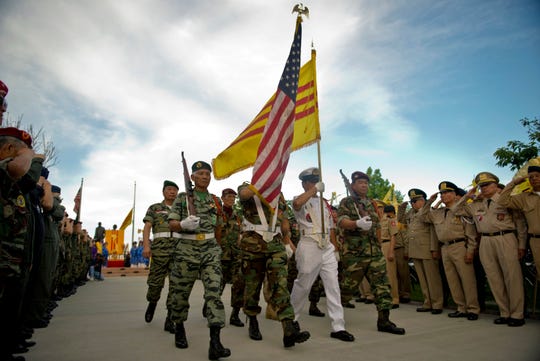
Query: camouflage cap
200	165
484	178
169	183
56	189
416	193
446	186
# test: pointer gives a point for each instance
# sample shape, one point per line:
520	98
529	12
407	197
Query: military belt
167	235
499	233
448	243
532	235
197	236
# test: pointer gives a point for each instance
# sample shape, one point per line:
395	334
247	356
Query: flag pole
133	213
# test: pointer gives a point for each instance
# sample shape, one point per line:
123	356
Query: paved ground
105	321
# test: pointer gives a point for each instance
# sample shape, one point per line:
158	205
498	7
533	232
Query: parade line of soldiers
363	246
359	247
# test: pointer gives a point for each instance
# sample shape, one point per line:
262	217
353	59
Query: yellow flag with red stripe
242	152
127	220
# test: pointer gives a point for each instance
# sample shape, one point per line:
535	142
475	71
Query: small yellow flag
127	220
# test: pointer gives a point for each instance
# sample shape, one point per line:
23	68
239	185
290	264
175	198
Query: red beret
3	89
17	133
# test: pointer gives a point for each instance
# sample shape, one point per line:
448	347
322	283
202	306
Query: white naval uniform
314	257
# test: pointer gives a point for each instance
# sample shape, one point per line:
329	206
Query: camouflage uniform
163	247
15	256
231	261
260	259
193	257
362	255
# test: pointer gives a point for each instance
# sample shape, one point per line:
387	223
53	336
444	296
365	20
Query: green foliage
378	186
517	153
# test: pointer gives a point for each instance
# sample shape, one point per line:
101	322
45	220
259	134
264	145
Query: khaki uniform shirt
421	235
528	203
494	217
449	226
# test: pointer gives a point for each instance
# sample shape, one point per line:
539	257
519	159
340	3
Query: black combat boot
180	340
216	349
292	333
254	332
385	325
169	324
149	314
314	310
235	319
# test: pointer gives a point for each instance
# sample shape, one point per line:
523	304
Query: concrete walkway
104	321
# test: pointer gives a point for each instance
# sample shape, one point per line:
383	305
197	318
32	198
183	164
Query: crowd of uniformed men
44	254
359	250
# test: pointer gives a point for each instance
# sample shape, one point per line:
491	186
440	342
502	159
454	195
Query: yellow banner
127	220
242	152
115	240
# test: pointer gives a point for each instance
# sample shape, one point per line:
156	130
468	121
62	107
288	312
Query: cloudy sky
423	90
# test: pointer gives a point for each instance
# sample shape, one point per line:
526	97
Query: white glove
191	223
364	223
289	250
336	254
319	186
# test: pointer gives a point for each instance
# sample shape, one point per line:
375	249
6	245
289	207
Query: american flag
275	146
77	201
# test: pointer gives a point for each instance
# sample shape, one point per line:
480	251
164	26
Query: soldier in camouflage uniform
264	254
362	255
161	250
16	158
198	252
231	261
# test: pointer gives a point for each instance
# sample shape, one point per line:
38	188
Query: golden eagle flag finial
301	10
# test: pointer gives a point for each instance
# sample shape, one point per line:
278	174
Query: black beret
448	186
169	183
228	191
359	175
533	168
56	189
200	165
389	208
416	193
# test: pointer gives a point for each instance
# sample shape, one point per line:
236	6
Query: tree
40	142
516	153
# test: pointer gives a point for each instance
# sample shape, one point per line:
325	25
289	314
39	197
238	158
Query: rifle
189	188
350	192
